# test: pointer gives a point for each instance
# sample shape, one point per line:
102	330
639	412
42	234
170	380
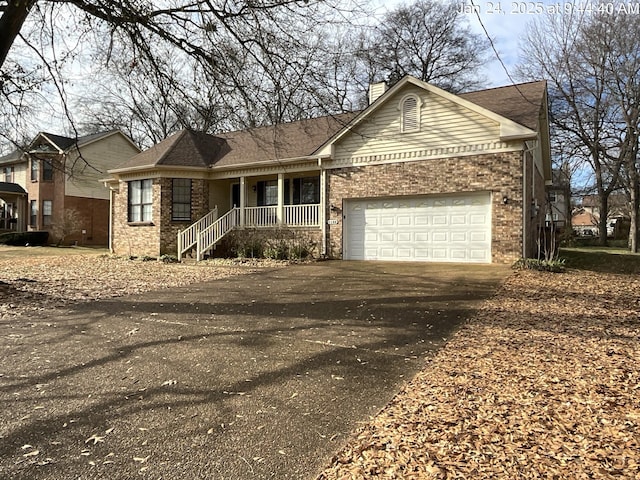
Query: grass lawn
602	259
8	251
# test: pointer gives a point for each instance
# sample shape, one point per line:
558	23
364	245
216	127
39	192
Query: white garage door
432	229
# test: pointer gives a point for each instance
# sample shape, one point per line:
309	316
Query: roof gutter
268	163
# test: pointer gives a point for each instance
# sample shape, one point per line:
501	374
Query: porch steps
204	234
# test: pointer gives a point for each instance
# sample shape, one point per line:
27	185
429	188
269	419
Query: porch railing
302	215
209	230
212	234
188	237
261	216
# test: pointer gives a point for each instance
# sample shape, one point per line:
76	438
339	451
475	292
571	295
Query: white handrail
261	216
211	235
210	229
302	215
188	237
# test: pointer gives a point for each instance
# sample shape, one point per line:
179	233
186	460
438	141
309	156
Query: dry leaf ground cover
33	279
544	382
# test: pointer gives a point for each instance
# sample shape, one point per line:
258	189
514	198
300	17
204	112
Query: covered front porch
13	207
282	200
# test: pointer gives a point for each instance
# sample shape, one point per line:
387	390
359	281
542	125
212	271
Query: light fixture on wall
505	200
254	188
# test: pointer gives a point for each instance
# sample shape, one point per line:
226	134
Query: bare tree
145	33
618	36
584	112
430	40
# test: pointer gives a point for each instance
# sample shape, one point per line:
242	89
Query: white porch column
21	207
322	214
243	200
280	212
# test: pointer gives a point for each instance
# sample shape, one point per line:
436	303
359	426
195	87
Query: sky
505	22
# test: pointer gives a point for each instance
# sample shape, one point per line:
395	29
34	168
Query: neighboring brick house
421	174
60	180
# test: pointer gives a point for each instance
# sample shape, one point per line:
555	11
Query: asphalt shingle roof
520	103
185	148
6	187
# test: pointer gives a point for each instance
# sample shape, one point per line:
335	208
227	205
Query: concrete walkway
253	377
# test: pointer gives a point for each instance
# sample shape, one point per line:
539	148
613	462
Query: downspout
525	209
110	220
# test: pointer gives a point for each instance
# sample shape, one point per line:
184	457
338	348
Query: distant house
585	223
56	180
421	175
590	212
559	201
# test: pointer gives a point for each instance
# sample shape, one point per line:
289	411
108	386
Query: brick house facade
60	176
433	177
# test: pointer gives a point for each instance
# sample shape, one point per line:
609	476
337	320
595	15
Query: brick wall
142	239
159	237
169	228
93	216
497	173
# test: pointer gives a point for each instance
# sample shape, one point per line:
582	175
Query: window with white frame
34	170
47	212
47	170
33	213
267	193
410	114
140	200
181	201
8	174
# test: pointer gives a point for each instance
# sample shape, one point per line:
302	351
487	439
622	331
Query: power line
476	9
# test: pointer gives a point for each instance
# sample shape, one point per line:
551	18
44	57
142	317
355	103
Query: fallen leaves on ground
543	382
34	284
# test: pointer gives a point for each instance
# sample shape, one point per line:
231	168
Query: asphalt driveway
253	377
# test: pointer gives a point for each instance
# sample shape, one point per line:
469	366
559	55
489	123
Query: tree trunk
13	17
634	204
602	220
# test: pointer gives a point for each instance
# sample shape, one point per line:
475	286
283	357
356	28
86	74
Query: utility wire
476	9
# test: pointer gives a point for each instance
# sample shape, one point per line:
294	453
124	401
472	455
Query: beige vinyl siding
443	124
20	174
97	158
220	195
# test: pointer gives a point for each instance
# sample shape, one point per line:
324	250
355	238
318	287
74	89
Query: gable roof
515	108
187	148
500	102
61	143
520	103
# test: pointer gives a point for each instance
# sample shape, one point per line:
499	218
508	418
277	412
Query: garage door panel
440	236
453	228
459	237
